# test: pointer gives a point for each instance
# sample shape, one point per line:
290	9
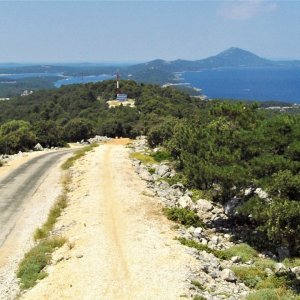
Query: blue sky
96	31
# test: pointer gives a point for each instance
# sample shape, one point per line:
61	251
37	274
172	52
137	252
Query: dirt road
120	246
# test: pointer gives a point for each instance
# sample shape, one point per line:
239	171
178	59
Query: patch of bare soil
120	246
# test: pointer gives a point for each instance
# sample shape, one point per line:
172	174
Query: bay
259	83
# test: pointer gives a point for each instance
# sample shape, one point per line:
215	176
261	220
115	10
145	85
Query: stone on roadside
280	268
228	275
185	202
145	175
204	205
198	232
38	147
296	271
236	259
162	170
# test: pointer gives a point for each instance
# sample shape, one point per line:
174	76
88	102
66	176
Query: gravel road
120	245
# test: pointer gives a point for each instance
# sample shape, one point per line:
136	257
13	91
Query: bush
144	158
200	247
243	250
251	276
16	136
183	216
160	156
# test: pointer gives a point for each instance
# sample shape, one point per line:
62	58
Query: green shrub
179	177
200	194
200	247
243	250
292	262
160	156
272	282
183	216
31	267
264	263
251	276
144	158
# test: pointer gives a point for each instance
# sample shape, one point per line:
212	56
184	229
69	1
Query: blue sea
265	83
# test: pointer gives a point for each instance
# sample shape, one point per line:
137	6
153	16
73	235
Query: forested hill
77	112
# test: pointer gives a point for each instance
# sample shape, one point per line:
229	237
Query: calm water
64	81
82	79
282	84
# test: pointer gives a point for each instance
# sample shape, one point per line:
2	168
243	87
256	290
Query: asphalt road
19	185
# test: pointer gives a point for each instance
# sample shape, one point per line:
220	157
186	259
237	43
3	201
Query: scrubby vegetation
183	216
31	267
54	214
221	149
229	148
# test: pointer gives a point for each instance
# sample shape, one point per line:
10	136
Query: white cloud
245	10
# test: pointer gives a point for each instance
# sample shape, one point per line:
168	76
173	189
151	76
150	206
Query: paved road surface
19	185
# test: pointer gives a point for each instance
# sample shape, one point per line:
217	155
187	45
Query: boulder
185	202
38	147
296	271
98	138
236	259
145	175
204	205
215	240
280	269
203	241
198	232
162	170
228	275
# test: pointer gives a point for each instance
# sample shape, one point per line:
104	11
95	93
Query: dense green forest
78	112
224	149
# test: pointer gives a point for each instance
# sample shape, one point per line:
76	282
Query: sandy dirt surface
120	245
